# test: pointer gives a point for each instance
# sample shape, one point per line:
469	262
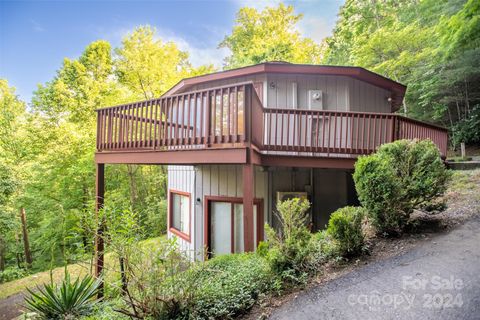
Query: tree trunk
26	245
163	170
459	114
133	185
467	100
83	223
123	275
2	254
18	254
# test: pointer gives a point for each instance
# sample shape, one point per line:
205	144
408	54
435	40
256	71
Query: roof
397	89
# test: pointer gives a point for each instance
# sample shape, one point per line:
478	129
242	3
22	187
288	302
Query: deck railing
413	129
326	131
193	120
233	116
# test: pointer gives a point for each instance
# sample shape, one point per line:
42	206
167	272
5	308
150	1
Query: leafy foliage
466	130
398	178
440	64
148	67
269	35
229	285
157	285
67	301
345	227
49	147
290	249
12	273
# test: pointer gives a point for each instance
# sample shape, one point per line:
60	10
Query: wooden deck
230	125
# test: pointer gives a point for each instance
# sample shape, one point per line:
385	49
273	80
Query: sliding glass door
225	225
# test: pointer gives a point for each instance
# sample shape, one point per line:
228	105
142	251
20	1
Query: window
179	215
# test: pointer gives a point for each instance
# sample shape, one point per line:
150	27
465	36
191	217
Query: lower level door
225	228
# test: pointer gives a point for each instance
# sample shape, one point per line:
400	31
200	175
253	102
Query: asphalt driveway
439	279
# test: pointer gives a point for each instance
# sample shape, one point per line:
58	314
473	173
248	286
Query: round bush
345	227
398	178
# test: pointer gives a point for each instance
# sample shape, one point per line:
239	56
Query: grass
75	270
463	180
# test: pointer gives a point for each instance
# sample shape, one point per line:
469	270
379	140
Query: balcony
230	125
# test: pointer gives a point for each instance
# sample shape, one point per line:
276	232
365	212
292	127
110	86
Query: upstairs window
179	215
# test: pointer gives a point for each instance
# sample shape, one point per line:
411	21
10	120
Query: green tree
12	116
431	46
51	145
149	67
268	35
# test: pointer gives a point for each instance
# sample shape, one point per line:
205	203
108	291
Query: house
237	141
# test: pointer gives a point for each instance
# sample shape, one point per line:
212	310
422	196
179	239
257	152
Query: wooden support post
99	242
248	195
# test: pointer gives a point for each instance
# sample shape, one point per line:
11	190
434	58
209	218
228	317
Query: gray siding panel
222	180
340	92
181	178
368	98
335	91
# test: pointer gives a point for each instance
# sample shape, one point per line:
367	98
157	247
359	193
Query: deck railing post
247	106
393	135
208	115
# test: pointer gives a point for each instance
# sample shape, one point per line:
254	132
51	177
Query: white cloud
315	28
198	55
313	24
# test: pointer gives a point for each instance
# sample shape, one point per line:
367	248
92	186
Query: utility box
315	99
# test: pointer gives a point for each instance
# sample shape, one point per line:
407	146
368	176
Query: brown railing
326	131
192	120
414	129
233	116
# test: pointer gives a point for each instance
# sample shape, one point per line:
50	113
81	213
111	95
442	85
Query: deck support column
99	241
248	195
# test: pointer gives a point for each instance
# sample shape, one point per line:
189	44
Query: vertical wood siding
365	97
340	93
334	88
222	180
182	178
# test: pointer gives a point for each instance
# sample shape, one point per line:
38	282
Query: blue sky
35	36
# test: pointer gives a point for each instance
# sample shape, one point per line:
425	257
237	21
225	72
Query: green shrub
345	227
155	217
229	285
164	284
326	245
106	310
290	249
13	273
398	178
467	130
157	283
70	300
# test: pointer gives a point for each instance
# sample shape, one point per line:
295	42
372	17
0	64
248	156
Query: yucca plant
69	300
